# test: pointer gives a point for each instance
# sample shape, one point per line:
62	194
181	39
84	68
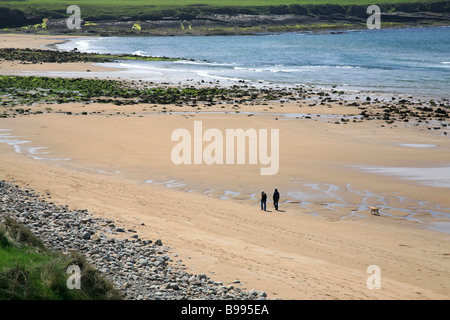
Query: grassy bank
118	8
30	271
34	11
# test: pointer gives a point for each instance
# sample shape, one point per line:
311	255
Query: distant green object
30	271
118	9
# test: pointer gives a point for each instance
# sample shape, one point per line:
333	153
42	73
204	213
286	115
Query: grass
139	8
30	271
156	4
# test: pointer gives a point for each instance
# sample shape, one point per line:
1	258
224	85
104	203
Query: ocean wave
206	74
205	63
141	68
82	45
139	53
294	69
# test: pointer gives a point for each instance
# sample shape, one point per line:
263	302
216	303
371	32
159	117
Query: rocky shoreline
203	19
245	24
142	269
233	25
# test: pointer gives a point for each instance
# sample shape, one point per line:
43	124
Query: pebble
140	268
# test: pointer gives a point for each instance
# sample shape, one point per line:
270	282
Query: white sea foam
417	145
206	74
82	45
204	63
434	177
228	193
139	53
20	146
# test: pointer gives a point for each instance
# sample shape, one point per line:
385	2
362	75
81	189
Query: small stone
173	286
86	236
158	242
143	262
253	292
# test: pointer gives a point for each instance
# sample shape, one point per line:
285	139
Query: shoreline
128	70
292	254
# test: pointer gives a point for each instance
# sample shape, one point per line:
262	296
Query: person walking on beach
263	200
276	197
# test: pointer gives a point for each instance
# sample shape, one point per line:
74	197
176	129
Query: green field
182	3
135	8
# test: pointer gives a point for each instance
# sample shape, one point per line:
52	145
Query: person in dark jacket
276	198
263	200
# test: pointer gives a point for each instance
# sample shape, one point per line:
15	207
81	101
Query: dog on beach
374	210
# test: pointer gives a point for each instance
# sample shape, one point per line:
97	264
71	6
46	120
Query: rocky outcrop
238	20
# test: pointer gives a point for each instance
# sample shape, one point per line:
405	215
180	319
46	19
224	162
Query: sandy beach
21	41
115	161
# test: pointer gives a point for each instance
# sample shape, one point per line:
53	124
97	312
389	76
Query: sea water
412	61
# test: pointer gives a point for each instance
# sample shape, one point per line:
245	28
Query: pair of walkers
275	197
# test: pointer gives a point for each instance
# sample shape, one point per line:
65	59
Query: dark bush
357	11
298	9
10	18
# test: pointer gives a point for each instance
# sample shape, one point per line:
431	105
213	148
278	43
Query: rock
86	220
173	286
253	292
120	230
95	237
262	294
143	261
158	242
202	276
86	236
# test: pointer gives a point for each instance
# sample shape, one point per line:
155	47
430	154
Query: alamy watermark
374	20
74	21
374	280
190	149
74	280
